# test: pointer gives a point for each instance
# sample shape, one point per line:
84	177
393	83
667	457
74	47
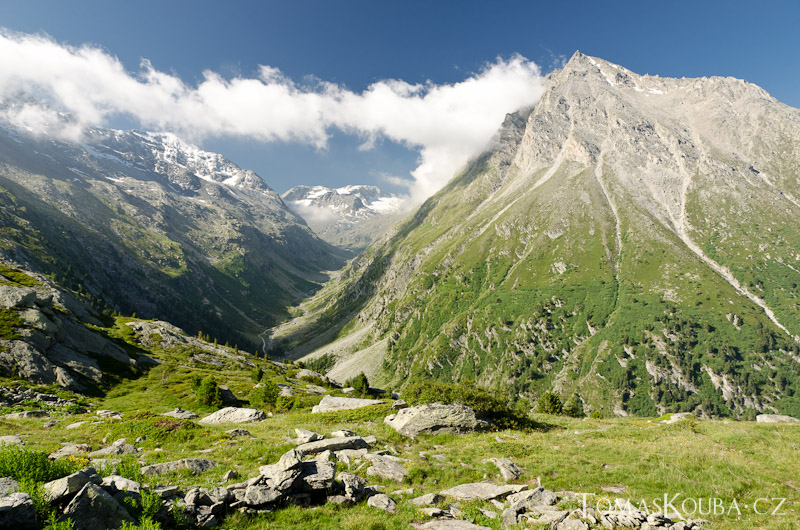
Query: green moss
10	321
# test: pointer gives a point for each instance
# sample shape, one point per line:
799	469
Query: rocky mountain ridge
629	238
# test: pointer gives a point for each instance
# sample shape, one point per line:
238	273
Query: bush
597	415
574	407
549	403
360	383
321	364
257	374
485	404
208	392
25	465
265	395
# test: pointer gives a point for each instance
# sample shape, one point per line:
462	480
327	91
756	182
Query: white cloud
449	123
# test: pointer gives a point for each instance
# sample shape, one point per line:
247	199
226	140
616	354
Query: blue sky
354	44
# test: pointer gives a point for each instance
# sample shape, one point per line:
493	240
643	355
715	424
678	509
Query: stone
119	447
399	405
404	492
332	404
238	433
258	496
679	416
434	419
165	492
17	511
427	499
115	483
8	486
383	502
11	439
432	511
69	449
386	467
75	425
343	433
508	469
353	486
571	524
65	488
94	508
348	390
26	414
195	465
109	414
234	415
773	418
449	524
305	436
283	474
181	414
551	518
334	444
482	490
228	397
230	475
317	475
309	374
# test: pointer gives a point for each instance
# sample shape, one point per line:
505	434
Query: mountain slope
145	223
350	217
630	238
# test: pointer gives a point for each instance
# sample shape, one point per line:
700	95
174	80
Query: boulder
335	444
317	475
69	449
427	499
195	465
343	433
482	490
234	415
115	483
679	416
508	469
26	414
65	488
283	474
386	467
305	436
259	496
11	439
309	374
434	419
181	414
17	512
527	499
8	486
238	433
94	508
449	524
109	414
399	405
353	486
119	447
771	418
332	404
383	502
228	397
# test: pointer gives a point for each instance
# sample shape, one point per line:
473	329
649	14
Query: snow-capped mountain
350	217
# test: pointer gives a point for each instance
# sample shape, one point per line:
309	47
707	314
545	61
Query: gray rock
8	486
332	404
26	414
434	419
11	296
527	499
776	418
450	524
228	397
17	511
399	405
195	465
234	415
305	436
11	439
259	496
75	425
237	433
119	447
317	475
115	483
230	475
69	449
386	467
551	518
334	444
482	490
283	474
343	433
109	414
508	469
383	502
353	486
427	499
305	374
679	416
181	414
93	508
571	524
65	488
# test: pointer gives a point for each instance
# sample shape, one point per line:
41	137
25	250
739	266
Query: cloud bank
50	88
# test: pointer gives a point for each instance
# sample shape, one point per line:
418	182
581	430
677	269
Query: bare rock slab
234	415
386	467
94	508
332	404
435	418
335	444
181	414
776	418
483	491
383	502
195	465
65	488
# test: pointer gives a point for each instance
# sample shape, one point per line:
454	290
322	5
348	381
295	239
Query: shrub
25	465
257	374
598	415
549	403
285	403
484	404
360	383
574	407
265	395
321	364
208	392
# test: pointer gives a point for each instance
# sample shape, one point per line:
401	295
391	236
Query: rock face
94	508
17	512
332	404
234	415
435	418
775	418
561	217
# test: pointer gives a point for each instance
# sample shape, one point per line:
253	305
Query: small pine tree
360	383
257	374
208	392
265	395
574	407
549	403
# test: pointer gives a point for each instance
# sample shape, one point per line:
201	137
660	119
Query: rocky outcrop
194	465
65	488
337	444
234	415
434	419
94	508
17	512
776	418
482	491
332	404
